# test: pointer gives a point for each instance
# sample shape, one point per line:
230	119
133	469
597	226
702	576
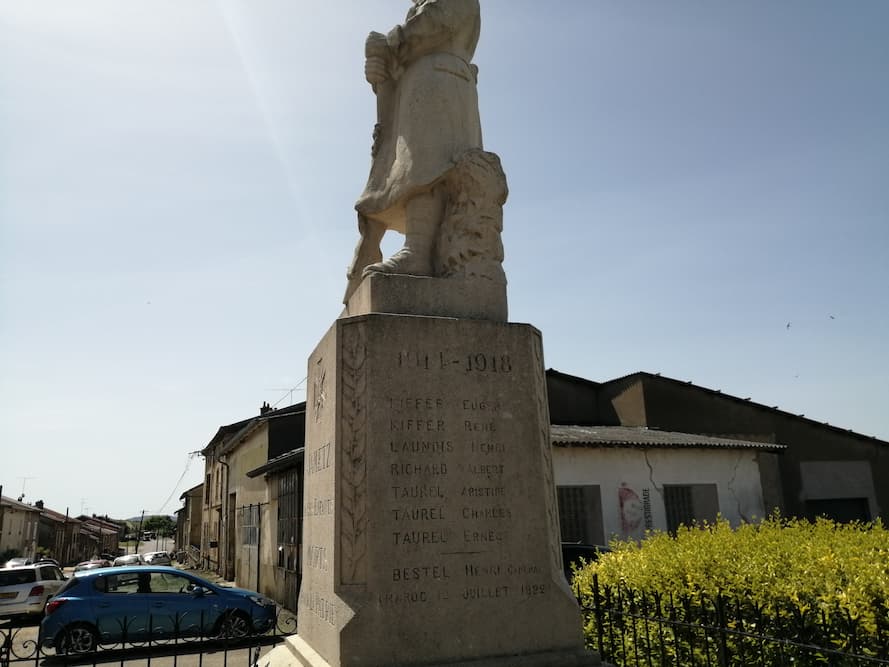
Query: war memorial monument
431	532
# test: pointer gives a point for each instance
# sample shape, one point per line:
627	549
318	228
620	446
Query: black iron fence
630	628
147	642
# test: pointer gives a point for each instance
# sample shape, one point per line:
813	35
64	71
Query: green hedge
823	573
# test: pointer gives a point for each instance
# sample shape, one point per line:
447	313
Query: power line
191	456
289	391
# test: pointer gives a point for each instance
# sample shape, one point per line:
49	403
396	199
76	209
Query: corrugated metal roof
640	436
642	375
285	460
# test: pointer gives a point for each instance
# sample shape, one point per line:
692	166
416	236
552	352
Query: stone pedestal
431	525
467	298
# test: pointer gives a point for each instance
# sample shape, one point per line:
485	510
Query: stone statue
430	179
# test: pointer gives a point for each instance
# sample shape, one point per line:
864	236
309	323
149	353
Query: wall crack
651	474
731	488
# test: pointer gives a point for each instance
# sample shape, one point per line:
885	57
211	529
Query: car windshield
17	577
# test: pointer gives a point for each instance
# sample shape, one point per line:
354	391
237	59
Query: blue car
122	605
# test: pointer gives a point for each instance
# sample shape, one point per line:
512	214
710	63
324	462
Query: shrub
828	581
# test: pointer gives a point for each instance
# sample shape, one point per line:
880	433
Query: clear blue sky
177	182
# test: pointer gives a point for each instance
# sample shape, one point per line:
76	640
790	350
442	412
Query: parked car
24	590
51	561
17	562
92	565
137	604
578	554
157	558
131	559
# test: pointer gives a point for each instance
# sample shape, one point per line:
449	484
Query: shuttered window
580	514
289	496
686	504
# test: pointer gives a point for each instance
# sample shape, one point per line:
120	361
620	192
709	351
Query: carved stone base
430	532
469	298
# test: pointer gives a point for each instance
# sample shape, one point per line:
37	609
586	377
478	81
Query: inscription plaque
428	503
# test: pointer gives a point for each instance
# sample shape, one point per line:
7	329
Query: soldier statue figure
430	178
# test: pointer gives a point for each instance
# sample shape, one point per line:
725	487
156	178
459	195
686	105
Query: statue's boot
414	259
422	221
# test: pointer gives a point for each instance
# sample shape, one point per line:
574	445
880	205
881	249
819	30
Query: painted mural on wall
635	512
632	513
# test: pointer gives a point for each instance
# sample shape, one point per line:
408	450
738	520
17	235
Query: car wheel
77	638
235	625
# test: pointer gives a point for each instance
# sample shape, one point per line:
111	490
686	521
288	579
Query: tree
162	525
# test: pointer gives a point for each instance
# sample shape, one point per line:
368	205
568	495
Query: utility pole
1	512
139	532
67	544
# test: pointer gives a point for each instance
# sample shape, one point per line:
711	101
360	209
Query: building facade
823	470
21	525
619	482
249	512
189	520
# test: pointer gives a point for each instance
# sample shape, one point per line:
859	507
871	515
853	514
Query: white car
157	558
131	559
24	590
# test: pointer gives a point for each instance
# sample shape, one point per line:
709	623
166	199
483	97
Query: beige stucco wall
195	516
247	456
641	474
20	530
211	513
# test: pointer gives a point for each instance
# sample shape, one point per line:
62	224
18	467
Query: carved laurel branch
546	443
354	462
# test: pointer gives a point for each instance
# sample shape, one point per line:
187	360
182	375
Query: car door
178	608
52	579
121	608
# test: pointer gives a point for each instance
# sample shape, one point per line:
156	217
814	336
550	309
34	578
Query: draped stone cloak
428	108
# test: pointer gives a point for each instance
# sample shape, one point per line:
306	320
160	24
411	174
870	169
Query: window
842	510
123	583
17	577
289	498
580	514
689	503
248	520
162	582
